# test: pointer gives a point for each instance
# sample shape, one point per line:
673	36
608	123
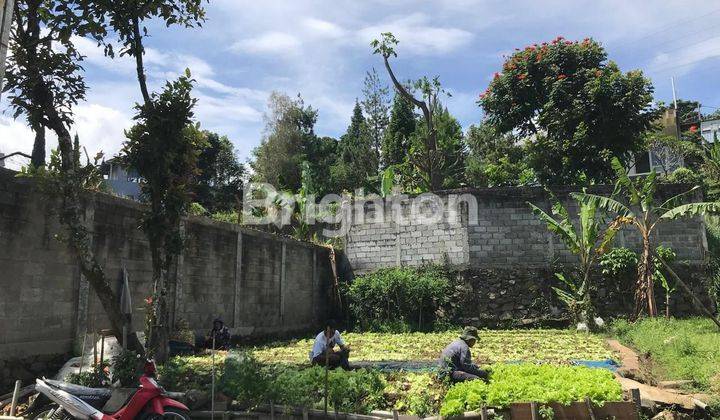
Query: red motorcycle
149	401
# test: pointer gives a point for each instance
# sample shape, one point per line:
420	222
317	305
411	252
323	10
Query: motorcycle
149	401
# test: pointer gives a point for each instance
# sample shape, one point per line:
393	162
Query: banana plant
588	243
642	211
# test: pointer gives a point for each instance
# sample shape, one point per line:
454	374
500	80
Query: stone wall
259	283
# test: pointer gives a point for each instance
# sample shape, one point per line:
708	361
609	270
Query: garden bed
280	372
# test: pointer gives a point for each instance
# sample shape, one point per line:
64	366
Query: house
661	159
710	130
121	180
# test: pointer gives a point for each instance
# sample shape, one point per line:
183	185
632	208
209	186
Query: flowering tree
576	108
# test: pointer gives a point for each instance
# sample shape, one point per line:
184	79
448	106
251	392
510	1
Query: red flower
496	75
561	76
693	128
149	300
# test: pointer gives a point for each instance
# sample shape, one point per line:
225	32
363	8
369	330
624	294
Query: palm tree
640	195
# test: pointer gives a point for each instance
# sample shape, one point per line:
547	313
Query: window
642	163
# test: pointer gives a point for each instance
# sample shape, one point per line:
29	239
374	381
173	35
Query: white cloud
682	60
418	35
323	28
269	42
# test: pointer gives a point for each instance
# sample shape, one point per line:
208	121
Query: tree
396	141
44	77
45	82
670	153
494	159
575	108
588	242
451	147
376	104
219	183
428	160
355	158
321	155
289	128
163	146
640	195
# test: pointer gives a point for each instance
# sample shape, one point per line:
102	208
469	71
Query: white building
710	130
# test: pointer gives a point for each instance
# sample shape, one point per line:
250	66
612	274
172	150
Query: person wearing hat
456	360
221	333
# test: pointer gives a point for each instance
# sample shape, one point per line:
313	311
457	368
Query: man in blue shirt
456	360
324	349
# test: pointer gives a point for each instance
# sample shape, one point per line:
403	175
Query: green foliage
619	263
528	382
495	159
125	368
218	186
396	141
410	296
244	379
685	176
181	373
588	241
251	384
550	346
289	131
419	394
376	105
93	377
197	209
356	157
680	349
576	108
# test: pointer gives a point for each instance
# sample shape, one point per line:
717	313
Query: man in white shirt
324	349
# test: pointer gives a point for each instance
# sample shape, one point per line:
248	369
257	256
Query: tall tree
219	182
321	154
428	160
163	147
575	108
376	104
45	82
356	160
289	127
402	124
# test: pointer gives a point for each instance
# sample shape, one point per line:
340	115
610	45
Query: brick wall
259	283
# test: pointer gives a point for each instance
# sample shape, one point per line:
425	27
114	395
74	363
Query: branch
420	104
140	67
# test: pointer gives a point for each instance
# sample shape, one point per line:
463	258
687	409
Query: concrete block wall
505	233
259	283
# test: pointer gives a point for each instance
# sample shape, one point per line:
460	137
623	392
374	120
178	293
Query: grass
679	349
494	346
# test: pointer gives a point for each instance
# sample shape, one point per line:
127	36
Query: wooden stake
635	392
534	413
483	413
16	392
590	409
698	304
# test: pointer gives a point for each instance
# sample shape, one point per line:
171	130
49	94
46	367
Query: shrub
401	298
528	382
93	377
182	373
244	379
125	368
619	263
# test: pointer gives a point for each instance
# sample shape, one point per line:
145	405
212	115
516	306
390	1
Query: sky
320	49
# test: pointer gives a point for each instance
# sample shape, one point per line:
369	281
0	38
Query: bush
244	379
399	299
528	382
251	383
93	377
619	264
182	373
125	368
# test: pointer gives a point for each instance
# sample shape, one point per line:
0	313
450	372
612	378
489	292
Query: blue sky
247	49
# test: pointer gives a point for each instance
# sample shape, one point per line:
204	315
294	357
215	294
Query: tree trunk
79	237
38	151
158	336
644	292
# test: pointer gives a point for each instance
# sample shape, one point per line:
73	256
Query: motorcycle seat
96	397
